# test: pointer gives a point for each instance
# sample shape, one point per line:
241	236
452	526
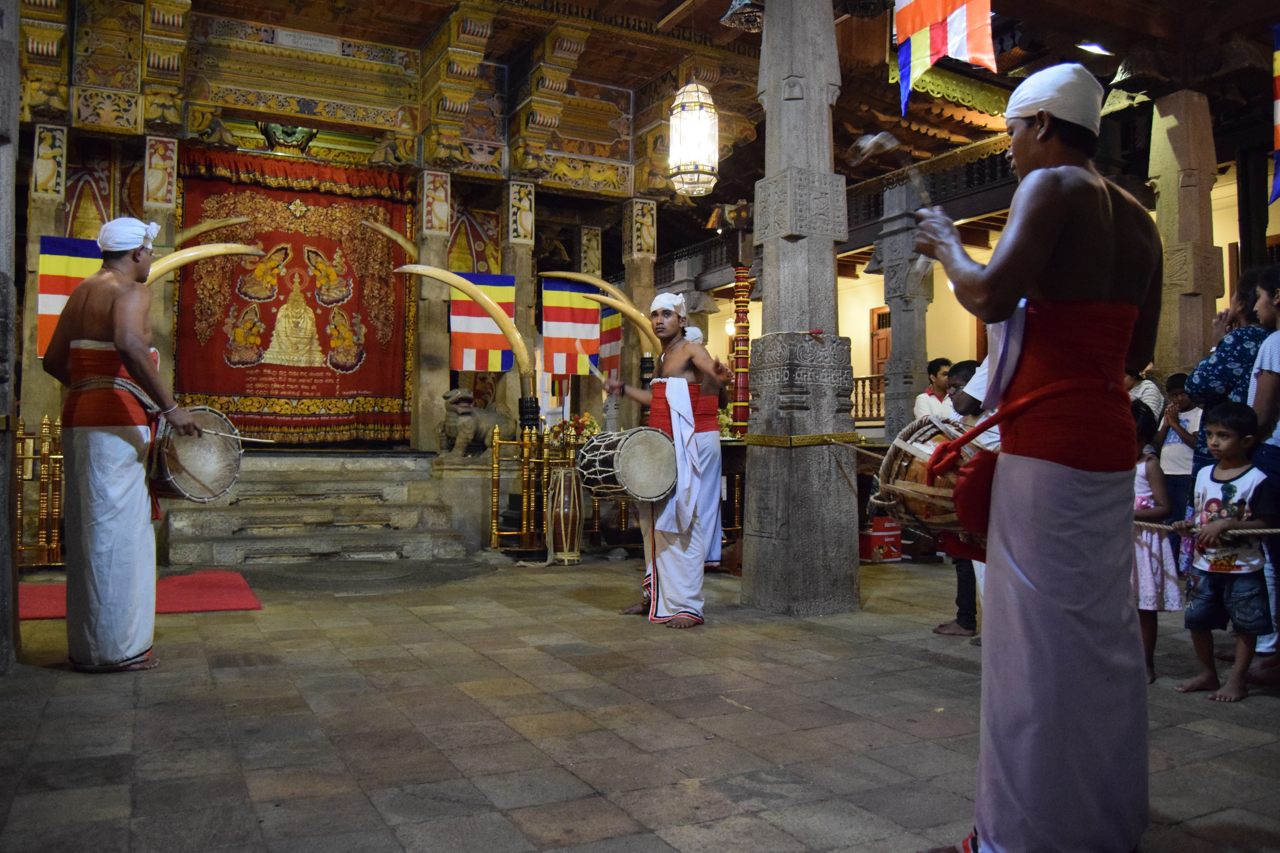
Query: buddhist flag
931	29
64	263
610	342
475	341
1275	108
567	319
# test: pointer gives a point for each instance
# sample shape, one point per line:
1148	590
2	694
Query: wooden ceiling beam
676	12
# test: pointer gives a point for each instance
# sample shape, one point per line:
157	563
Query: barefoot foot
640	608
1151	675
1203	681
954	629
1233	691
682	620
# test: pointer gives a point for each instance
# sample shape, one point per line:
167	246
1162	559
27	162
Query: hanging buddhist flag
610	342
475	341
568	318
1275	109
931	29
64	263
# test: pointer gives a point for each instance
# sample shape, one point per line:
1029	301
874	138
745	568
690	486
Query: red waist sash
705	409
1089	430
107	406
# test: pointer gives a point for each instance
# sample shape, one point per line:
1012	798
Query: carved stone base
801	518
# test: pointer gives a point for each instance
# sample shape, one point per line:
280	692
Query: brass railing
38	458
868	399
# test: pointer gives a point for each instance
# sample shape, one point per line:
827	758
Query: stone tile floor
516	711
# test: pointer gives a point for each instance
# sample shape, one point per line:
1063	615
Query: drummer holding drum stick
683	399
101	349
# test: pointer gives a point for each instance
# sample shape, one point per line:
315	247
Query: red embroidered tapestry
313	341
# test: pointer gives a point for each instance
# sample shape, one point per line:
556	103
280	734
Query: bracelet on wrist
172	408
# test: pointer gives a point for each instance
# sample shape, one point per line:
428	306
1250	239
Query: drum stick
238	437
595	371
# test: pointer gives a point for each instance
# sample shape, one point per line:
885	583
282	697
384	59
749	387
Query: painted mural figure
346	341
262	282
331	287
244	337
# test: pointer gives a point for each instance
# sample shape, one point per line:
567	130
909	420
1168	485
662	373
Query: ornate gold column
431	367
587	258
639	254
43	48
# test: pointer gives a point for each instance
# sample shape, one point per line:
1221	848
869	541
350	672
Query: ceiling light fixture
694	154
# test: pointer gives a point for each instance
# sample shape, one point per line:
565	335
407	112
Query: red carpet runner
198	592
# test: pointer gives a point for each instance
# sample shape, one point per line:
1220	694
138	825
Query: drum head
203	467
646	464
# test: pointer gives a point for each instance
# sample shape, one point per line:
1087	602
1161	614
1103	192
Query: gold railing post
19	466
42	506
526	486
55	496
495	486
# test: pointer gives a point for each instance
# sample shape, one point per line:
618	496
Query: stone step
320	518
293	491
306	547
335	465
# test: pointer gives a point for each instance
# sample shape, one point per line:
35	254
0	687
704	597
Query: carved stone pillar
431	370
800	523
908	290
639	254
46	216
1184	168
517	260
9	331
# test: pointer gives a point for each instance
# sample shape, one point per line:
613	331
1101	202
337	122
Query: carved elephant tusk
632	313
410	250
182	257
205	227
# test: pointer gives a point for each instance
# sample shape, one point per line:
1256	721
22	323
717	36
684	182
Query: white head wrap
674	301
1067	91
693	335
126	233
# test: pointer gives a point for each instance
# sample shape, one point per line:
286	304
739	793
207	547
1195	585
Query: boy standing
1226	578
935	400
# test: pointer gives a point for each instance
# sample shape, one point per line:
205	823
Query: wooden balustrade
868	399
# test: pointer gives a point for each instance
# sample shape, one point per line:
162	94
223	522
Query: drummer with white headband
673	535
101	349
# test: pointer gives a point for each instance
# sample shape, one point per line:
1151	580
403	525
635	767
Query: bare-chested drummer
101	349
673	539
1063	741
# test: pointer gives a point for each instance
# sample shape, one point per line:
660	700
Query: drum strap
120	383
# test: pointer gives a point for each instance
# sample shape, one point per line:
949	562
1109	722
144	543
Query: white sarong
110	547
1063	747
709	493
674	547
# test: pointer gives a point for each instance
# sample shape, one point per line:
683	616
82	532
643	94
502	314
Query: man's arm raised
709	366
991	292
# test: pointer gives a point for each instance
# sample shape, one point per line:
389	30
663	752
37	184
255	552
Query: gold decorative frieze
944	84
108	46
106	110
162	107
593	176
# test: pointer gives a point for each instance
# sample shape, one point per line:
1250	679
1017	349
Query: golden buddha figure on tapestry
294	341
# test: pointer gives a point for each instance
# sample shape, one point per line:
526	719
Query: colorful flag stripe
64	262
475	341
569	321
1275	108
931	29
610	342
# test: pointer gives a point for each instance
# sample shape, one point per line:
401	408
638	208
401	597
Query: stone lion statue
465	425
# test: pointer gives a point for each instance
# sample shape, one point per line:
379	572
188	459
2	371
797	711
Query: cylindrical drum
637	463
564	517
199	468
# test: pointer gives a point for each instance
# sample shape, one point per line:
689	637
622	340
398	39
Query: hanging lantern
746	15
695	141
